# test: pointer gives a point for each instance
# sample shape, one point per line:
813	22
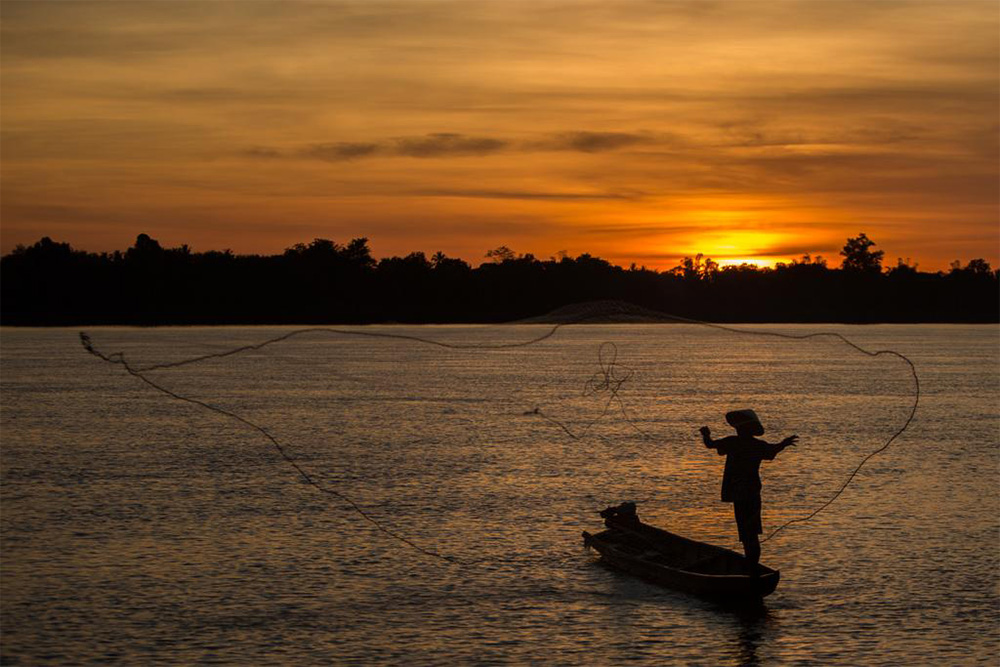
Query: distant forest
50	283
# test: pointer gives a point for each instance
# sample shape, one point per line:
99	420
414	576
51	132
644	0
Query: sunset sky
636	131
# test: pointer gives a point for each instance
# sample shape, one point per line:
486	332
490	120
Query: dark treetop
49	283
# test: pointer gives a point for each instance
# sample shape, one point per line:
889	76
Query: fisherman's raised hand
705	431
789	441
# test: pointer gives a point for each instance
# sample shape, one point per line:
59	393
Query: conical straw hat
738	418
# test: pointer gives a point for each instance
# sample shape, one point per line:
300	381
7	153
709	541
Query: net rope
609	379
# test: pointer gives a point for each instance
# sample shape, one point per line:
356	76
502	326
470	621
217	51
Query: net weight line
610	377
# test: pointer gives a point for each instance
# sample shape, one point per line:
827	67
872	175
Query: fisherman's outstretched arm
787	442
706	437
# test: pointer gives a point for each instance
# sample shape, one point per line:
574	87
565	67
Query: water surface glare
140	529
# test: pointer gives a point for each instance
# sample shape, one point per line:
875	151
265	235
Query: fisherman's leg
748	521
751	547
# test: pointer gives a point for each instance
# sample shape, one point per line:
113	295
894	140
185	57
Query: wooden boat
678	562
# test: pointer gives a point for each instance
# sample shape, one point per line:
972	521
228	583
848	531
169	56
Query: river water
142	529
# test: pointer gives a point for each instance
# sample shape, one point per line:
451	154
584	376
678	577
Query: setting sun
760	262
729	248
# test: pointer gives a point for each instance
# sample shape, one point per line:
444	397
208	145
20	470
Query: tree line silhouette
50	283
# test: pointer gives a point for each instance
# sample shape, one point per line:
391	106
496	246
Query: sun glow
759	262
733	248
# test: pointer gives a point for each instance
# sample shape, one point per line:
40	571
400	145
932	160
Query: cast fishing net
602	401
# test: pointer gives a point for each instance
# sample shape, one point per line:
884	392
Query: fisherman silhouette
741	479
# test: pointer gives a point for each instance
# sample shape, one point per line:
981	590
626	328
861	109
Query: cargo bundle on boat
677	562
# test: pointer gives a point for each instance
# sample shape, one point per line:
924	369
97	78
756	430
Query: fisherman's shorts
748	518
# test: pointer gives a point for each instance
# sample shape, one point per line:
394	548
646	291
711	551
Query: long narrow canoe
678	562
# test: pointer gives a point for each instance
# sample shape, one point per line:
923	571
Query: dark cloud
529	195
446	144
442	144
341	150
452	144
593	142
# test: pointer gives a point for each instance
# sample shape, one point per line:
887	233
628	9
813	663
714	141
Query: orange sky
637	131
